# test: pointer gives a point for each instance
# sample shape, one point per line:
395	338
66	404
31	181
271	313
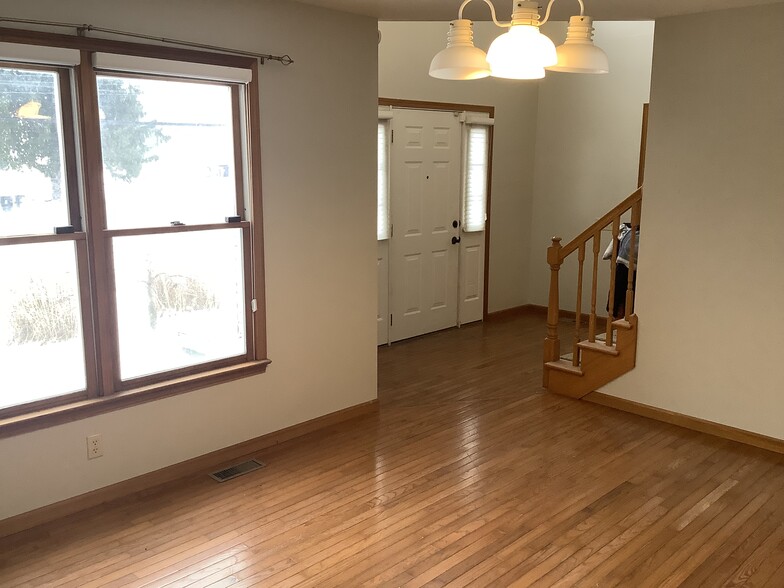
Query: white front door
425	206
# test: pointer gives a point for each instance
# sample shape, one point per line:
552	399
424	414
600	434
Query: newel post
552	346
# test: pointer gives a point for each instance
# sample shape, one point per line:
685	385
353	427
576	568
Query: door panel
472	273
382	317
441	287
411	285
413	192
425	195
443	196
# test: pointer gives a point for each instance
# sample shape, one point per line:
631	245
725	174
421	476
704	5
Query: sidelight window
382	225
477	146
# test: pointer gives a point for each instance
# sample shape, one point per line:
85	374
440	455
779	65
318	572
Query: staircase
594	360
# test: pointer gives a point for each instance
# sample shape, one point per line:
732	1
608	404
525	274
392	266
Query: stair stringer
596	367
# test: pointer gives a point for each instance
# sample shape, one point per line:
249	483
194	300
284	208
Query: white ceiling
445	10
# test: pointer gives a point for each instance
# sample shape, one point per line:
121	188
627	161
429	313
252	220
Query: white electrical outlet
94	446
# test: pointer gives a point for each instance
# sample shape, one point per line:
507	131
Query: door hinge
393	136
390	320
392	230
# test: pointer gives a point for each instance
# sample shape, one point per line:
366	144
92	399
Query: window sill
58	415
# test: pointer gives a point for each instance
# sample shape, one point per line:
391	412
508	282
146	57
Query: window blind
169	67
18	52
382	226
475	181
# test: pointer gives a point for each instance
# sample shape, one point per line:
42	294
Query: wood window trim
76	406
65	413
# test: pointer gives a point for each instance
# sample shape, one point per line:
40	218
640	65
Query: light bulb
522	53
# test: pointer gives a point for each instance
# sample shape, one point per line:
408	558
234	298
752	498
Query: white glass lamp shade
522	53
460	60
578	54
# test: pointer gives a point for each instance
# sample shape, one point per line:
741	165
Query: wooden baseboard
541	310
510	312
197	465
688	422
538	309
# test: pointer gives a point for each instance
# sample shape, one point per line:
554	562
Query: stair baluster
552	346
592	318
578	312
616	228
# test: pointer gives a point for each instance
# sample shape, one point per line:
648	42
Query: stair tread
563	365
622	324
600	346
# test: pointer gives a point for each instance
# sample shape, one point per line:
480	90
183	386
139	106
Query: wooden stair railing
593	362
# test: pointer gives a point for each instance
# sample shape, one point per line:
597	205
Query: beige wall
587	149
711	283
318	135
404	61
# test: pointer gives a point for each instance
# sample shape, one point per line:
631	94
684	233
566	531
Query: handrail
572	245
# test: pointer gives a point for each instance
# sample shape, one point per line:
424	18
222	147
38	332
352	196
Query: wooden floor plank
633	556
684	548
470	474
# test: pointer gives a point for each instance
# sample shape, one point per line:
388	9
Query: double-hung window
130	247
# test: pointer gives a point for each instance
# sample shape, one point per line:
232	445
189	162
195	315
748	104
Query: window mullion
88	322
81	245
98	246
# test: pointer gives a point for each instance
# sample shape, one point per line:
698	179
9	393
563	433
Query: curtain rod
81	29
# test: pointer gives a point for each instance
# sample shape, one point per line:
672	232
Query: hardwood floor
469	475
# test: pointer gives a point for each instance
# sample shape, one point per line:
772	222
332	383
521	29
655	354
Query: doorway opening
435	162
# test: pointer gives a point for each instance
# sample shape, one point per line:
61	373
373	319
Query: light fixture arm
492	13
550	5
509	24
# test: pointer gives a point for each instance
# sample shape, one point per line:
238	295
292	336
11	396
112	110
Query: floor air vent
237	470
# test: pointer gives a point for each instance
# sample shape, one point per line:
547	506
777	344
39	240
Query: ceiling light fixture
523	52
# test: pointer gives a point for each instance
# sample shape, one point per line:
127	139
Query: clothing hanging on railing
622	268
